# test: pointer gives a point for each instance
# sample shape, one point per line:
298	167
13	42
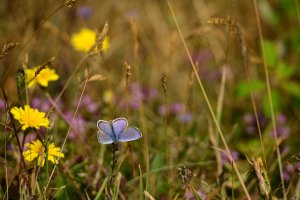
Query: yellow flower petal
41	161
30	117
37	150
85	39
52	159
30	155
42	78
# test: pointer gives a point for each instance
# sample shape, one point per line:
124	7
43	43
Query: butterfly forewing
105	127
132	133
119	125
104	138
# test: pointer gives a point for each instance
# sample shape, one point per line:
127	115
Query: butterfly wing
132	133
105	133
104	139
119	125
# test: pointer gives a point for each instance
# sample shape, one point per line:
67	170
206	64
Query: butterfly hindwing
104	138
105	133
132	133
119	125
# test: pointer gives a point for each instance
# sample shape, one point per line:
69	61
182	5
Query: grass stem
208	103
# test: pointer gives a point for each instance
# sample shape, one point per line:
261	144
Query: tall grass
212	89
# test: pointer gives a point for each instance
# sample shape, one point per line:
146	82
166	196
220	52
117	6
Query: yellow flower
108	96
43	77
37	150
85	39
29	117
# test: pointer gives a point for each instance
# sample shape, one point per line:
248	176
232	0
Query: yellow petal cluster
29	117
42	78
37	150
85	39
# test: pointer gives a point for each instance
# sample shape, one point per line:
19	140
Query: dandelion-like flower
42	78
85	39
29	117
37	150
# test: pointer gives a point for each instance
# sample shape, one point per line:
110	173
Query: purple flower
251	125
150	93
281	119
163	110
178	110
225	158
43	105
84	12
283	131
88	104
78	126
138	95
2	105
203	56
185	117
288	172
284	149
175	109
190	195
298	166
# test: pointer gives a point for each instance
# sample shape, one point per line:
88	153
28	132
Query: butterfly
116	131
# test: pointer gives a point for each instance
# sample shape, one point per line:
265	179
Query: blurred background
161	95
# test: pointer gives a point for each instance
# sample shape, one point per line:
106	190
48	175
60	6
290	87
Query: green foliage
271	53
145	36
292	87
284	71
276	101
244	88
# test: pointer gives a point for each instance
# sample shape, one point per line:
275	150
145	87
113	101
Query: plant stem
114	161
208	103
267	78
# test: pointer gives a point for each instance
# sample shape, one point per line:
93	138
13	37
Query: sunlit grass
149	100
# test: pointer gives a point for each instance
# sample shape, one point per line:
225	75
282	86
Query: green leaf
251	147
292	87
271	53
158	161
21	85
288	7
244	89
276	101
284	71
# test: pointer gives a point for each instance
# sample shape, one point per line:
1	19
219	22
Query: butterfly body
116	131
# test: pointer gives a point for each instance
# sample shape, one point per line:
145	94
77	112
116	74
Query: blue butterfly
116	131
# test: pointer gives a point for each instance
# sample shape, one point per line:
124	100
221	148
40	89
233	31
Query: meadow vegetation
211	89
